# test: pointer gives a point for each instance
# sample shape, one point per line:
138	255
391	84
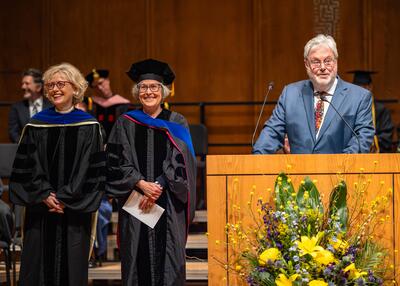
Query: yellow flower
324	257
354	273
339	245
317	283
238	267
269	254
309	246
282	228
282	280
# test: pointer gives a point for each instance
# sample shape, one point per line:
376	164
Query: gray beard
320	87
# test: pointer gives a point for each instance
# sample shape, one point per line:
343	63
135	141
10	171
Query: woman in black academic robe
150	152
58	175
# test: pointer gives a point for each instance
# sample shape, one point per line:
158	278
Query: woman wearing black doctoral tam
58	175
149	152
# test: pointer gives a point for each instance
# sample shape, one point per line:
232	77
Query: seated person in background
304	111
381	115
32	103
105	105
6	219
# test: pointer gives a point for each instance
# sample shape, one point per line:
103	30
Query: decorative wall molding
326	17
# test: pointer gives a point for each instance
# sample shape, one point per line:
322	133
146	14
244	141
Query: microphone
269	88
323	98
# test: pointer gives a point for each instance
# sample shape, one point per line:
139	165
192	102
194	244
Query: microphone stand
323	98
270	87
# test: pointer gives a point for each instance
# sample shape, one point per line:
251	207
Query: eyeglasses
328	62
59	84
154	87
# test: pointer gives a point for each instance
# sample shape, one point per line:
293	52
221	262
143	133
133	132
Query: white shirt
65	111
328	96
38	103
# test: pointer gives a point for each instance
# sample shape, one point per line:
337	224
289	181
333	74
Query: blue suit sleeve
272	136
363	127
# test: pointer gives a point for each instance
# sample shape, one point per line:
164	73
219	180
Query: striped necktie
35	108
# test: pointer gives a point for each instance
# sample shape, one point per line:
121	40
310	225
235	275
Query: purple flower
327	271
360	282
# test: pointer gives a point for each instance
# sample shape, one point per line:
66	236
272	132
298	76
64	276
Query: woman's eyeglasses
59	84
154	87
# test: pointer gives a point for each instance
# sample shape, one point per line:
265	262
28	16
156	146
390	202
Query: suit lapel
308	101
25	112
337	100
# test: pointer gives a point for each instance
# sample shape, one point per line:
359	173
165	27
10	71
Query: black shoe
92	263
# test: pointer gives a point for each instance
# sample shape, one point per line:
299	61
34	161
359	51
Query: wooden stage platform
195	271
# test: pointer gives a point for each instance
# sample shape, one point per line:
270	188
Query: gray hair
165	91
321	40
73	75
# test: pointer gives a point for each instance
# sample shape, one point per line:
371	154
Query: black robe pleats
151	257
66	160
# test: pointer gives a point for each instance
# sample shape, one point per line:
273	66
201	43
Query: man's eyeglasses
328	62
154	87
59	84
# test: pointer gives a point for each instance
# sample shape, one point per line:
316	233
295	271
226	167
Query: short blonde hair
165	91
73	75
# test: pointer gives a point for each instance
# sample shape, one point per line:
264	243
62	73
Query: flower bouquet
296	240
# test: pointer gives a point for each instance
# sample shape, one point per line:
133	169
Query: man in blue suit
305	109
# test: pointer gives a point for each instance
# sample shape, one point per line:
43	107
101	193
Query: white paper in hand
150	217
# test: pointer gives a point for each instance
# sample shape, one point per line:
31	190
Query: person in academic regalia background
58	175
382	119
150	151
105	105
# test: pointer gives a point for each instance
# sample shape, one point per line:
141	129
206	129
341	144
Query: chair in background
6	224
5	247
7	155
199	136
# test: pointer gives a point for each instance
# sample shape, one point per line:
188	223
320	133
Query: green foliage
313	201
371	257
283	190
263	278
338	205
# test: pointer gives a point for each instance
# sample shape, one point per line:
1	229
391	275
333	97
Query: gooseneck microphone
269	88
323	98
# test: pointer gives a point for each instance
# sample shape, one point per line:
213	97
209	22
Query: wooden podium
231	178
